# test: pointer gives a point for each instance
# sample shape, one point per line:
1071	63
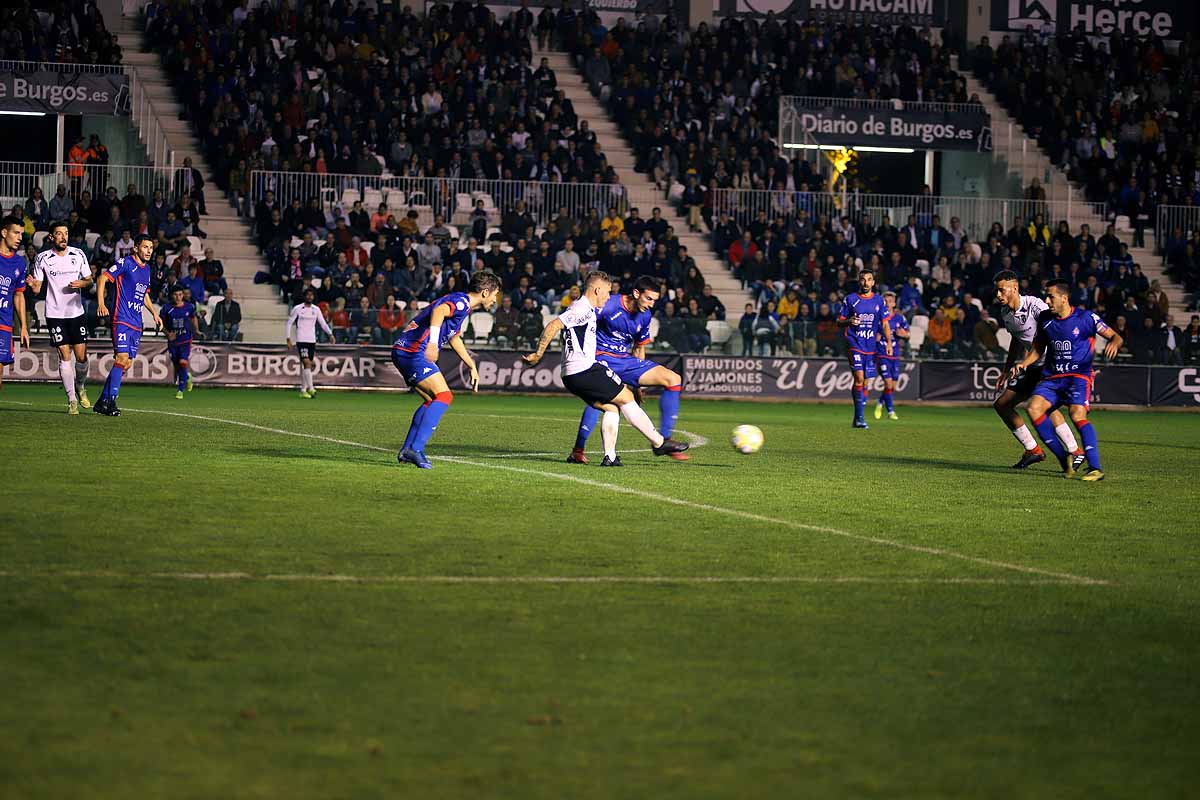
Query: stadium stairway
263	313
1036	164
642	192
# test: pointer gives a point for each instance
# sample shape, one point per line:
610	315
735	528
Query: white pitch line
661	498
696	440
535	579
15	403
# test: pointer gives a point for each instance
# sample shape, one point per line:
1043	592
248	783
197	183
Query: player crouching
415	355
591	381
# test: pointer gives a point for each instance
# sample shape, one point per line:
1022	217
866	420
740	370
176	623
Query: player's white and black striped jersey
579	337
58	272
305	319
1022	323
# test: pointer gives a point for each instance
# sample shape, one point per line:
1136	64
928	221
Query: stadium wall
714	376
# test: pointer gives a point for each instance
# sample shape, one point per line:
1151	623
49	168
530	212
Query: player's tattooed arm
1114	343
552	330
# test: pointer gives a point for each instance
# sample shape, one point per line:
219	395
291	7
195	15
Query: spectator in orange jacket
940	333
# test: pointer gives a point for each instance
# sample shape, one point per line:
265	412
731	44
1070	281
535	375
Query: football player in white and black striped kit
66	274
595	383
1019	313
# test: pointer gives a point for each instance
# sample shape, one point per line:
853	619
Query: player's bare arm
435	327
548	335
1114	343
19	307
851	321
456	344
1035	352
887	338
153	313
101	298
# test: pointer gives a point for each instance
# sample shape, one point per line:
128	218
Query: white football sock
81	372
1066	437
1025	438
638	419
305	379
66	371
610	423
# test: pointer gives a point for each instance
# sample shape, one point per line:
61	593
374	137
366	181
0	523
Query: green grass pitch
195	608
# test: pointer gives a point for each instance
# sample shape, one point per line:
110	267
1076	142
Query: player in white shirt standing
305	318
1019	313
595	383
66	273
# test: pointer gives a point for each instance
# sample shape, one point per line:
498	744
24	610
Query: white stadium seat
349	197
481	323
1004	338
654	326
90	240
720	331
916	338
920	321
39	239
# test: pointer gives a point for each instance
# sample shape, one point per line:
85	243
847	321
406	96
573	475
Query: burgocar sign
1169	19
54	92
872	12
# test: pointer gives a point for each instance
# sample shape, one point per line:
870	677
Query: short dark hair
866	271
11	220
1062	286
59	223
645	284
484	281
1006	275
142	237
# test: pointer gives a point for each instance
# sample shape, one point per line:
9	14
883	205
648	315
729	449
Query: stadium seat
39	239
654	326
920	321
923	265
171	258
349	197
1004	338
90	239
197	245
422	305
39	311
720	331
368	246
147	319
916	338
481	324
975	301
371	199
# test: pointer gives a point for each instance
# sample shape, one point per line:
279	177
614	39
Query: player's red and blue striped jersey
863	337
620	327
1070	343
132	280
12	282
896	322
178	320
416	333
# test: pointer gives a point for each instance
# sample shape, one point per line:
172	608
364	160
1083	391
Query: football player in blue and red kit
12	289
1067	337
889	365
181	323
415	354
622	333
132	278
862	316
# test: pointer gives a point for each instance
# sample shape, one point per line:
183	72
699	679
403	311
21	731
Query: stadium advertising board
1169	19
973	381
1175	386
862	12
781	378
920	130
53	92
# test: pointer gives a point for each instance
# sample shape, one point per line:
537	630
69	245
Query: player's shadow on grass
324	454
1151	444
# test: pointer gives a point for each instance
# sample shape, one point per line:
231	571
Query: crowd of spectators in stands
1116	112
65	31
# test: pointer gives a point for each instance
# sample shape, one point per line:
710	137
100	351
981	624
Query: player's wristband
434	333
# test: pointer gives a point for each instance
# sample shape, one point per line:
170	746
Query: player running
66	273
415	354
591	381
622	333
1019	313
1067	338
132	277
181	323
887	365
305	318
12	289
862	316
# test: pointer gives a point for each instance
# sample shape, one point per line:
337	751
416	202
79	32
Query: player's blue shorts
889	368
179	352
1067	390
629	369
864	362
126	340
6	347
414	367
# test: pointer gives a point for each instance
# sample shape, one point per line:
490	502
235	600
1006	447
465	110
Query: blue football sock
887	402
1091	445
1045	430
668	409
587	424
860	401
430	419
112	386
183	376
418	415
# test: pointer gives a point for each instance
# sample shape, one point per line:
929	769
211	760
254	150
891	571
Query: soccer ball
746	439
